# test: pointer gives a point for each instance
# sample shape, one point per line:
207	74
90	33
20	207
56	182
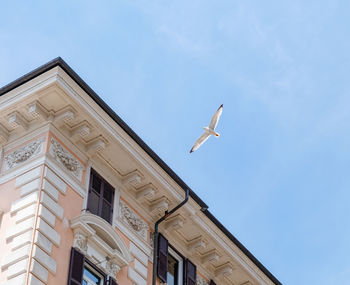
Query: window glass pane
106	211
90	278
173	265
108	193
96	183
93	203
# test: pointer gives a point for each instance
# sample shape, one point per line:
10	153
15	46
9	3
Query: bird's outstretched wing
200	141
215	119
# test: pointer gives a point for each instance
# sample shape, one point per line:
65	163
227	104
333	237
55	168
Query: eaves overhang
62	64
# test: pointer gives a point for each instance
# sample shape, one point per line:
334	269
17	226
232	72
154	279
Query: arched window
98	242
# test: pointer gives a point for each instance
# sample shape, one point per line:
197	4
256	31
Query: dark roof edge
241	247
29	76
60	62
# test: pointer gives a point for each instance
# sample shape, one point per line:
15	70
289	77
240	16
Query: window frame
165	249
94	269
180	259
101	199
77	264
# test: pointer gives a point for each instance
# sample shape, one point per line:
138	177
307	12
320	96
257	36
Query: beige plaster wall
7	196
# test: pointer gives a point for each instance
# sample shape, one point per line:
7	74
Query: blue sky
278	176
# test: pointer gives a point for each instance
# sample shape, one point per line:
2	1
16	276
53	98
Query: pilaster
33	235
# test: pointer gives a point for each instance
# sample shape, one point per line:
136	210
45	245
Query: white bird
210	130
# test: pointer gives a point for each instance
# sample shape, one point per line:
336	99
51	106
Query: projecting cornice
55	94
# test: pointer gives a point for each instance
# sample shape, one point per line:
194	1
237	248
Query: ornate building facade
81	193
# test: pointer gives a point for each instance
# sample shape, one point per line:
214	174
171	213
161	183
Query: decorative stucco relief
66	159
133	220
22	154
99	241
112	268
151	243
201	281
80	242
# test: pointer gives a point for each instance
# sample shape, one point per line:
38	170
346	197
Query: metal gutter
61	63
155	235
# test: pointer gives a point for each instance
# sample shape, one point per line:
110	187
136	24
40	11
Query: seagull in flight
210	130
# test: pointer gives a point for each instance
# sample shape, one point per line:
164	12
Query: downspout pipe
155	235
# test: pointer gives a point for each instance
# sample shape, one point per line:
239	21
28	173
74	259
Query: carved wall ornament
80	242
98	240
66	159
151	239
112	268
201	281
151	243
132	220
22	154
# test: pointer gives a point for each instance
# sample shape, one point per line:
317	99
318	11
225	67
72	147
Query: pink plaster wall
122	277
72	204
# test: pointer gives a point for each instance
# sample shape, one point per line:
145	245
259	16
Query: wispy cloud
178	40
180	26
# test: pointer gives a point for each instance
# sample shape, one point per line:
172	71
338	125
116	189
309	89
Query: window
101	197
173	270
91	277
175	265
84	272
171	267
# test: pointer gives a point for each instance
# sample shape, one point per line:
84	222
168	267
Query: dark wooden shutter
95	189
101	197
107	200
162	262
212	282
76	267
111	281
190	273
